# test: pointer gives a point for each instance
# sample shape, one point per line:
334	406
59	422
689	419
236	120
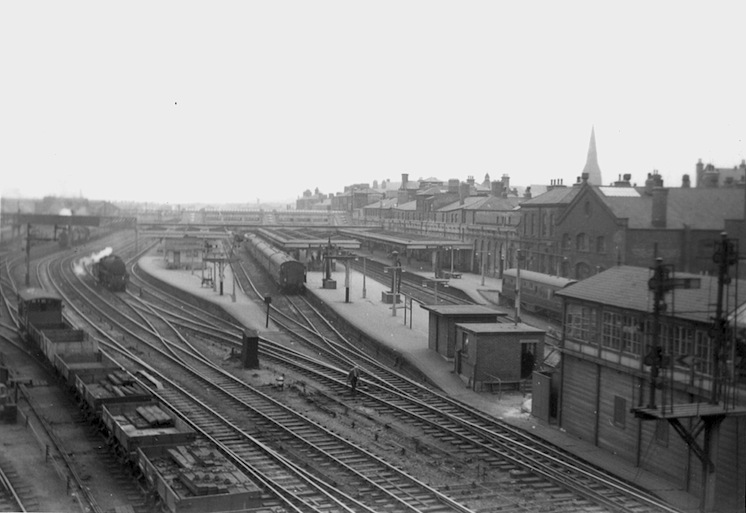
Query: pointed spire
591	164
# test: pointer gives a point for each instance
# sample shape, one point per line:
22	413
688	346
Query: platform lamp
435	282
268	301
520	257
395	270
365	260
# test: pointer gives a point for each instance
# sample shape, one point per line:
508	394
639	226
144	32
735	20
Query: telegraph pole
726	255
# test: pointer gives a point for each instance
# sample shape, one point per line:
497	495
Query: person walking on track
352	378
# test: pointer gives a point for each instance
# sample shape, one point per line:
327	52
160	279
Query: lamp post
268	301
395	270
364	262
435	282
519	258
483	262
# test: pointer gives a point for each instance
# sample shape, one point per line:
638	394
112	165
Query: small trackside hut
443	319
497	355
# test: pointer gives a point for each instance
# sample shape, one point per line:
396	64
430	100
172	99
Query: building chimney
463	192
623	181
404	178
527	194
470	180
660	206
497	189
700	171
685	182
453	185
506	182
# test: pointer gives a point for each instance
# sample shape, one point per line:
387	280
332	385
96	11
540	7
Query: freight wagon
43	325
143	430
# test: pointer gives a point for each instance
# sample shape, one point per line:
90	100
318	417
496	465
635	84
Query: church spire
591	164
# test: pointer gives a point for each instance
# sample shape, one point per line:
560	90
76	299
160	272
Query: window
581	322
702	349
544	225
661	432
620	332
601	245
620	412
465	344
566	241
581	242
611	331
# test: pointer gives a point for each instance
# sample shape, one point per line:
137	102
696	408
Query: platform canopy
47	219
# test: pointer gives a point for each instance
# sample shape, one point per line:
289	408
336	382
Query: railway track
318	445
385	394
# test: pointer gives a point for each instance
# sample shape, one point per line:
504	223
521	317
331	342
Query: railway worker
352	378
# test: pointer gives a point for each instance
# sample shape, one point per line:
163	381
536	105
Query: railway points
410	340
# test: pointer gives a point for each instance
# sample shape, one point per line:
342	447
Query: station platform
368	313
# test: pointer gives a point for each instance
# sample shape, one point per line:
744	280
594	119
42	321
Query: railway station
406	335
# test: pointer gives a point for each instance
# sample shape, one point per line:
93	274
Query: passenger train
286	271
537	292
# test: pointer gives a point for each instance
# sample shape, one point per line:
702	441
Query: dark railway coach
287	272
537	292
111	272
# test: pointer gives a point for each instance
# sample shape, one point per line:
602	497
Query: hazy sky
238	101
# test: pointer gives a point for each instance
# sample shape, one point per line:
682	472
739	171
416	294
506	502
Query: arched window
544	225
601	245
582	271
566	241
581	242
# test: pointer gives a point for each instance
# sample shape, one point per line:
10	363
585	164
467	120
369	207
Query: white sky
237	101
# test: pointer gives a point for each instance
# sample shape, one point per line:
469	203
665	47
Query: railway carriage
287	272
537	292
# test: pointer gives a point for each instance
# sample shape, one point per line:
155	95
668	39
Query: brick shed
443	319
495	353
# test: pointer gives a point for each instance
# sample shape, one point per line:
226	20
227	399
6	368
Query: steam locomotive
111	272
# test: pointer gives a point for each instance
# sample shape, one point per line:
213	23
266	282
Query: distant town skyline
238	102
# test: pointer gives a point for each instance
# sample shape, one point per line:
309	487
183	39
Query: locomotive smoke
79	266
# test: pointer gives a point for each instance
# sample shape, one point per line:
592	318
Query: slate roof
384	204
409	205
560	195
697	208
626	287
471	203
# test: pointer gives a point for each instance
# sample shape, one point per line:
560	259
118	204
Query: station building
673	428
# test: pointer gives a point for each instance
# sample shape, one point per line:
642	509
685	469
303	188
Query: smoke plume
80	265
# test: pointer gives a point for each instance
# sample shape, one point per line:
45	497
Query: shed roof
498	327
462	310
34	293
626	287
